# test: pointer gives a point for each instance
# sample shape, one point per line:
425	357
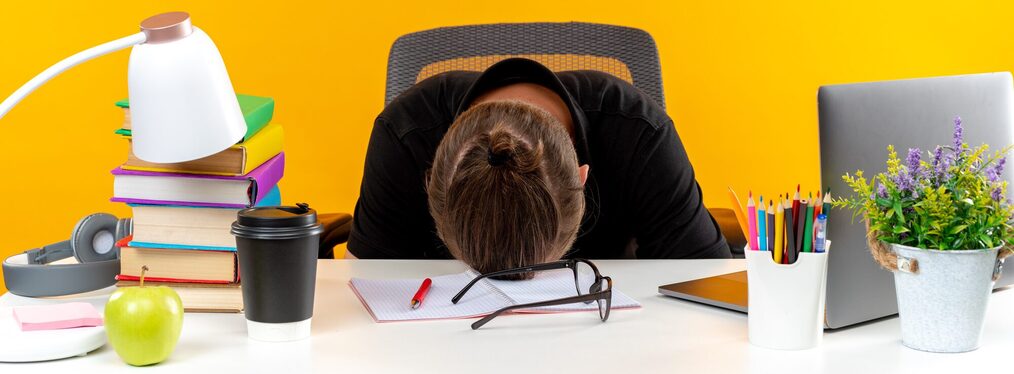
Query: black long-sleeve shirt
641	186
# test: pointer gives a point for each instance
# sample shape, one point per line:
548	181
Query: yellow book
239	159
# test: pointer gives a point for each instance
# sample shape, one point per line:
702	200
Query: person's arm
391	219
669	217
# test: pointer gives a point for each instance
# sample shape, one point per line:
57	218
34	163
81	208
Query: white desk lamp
182	104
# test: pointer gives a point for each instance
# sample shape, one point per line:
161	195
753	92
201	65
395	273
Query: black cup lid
300	215
277	222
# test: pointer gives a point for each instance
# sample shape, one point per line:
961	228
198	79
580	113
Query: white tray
29	346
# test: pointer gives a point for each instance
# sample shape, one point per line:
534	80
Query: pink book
56	316
146	187
389	300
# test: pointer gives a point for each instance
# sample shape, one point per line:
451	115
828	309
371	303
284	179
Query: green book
256	110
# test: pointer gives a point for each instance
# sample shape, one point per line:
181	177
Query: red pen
421	294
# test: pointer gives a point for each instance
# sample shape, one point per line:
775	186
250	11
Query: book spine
123	277
266	177
138	244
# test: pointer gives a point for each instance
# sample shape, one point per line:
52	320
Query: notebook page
556	284
390	299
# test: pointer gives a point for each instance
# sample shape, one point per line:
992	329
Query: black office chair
627	53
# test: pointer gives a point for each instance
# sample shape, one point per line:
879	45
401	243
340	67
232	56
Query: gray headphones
93	244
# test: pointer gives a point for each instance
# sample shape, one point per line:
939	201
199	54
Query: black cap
277	222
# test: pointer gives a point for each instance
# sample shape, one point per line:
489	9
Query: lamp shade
182	104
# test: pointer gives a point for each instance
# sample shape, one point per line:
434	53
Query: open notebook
388	300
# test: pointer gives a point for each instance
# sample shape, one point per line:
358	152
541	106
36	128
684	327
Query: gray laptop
857	122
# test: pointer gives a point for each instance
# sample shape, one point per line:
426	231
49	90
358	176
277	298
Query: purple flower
992	175
881	190
957	134
904	180
942	167
937	163
914	156
997	194
937	154
993	172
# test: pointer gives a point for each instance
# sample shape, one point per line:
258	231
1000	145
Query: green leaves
884	202
956	229
987	242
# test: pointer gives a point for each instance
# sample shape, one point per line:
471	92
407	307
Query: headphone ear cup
94	238
124	228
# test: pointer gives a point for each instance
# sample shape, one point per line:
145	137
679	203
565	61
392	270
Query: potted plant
942	227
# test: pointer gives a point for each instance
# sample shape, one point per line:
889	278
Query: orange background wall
737	77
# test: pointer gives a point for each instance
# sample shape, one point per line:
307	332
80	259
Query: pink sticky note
56	316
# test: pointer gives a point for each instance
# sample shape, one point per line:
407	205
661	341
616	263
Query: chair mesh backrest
624	52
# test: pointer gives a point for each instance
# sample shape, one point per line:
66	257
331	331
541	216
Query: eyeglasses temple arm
566	300
526	269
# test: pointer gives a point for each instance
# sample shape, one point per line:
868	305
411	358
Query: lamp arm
68	63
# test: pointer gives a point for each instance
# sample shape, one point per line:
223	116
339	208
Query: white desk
667	335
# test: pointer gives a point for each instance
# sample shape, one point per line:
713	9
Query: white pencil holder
786	302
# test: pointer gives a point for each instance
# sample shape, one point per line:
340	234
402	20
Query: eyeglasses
599	290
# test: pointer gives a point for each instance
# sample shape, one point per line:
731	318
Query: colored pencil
808	229
737	208
799	229
790	241
817	207
762	229
751	211
771	225
795	210
827	202
787	206
779	247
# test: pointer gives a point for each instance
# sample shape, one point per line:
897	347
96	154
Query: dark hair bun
497	159
508	150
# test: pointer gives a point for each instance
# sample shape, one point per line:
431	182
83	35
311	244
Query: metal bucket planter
942	296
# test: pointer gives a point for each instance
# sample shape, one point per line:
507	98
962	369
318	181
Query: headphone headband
25	279
33	274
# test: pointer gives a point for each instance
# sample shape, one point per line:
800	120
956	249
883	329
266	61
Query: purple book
145	187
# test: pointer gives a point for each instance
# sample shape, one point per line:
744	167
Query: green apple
144	323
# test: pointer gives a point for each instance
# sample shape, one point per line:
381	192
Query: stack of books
183	212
